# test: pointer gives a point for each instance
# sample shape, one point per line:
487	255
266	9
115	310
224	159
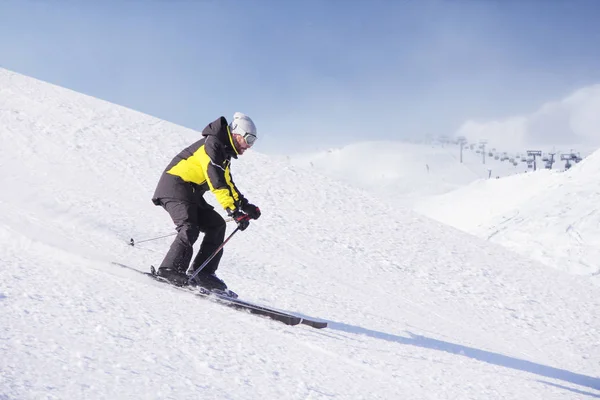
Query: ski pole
133	242
191	278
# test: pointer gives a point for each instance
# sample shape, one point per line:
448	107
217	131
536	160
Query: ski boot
210	282
174	276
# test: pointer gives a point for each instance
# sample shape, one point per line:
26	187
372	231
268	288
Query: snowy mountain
548	215
416	309
552	217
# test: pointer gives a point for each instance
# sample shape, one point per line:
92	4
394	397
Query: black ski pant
190	219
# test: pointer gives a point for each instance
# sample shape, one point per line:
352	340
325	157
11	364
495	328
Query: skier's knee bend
219	230
189	233
222	226
215	234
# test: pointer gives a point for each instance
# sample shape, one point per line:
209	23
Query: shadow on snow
476	354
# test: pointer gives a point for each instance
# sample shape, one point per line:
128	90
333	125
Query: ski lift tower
462	141
550	162
534	154
482	144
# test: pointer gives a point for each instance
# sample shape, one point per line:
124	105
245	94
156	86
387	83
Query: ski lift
567	165
529	165
496	157
545	158
548	165
490	154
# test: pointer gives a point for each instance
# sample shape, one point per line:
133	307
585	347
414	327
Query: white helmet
244	126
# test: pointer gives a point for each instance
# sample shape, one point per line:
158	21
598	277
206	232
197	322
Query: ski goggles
249	139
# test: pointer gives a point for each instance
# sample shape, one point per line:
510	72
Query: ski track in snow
416	309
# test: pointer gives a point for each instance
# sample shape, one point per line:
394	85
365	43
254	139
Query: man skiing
201	167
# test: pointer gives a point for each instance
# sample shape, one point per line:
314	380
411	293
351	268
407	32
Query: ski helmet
244	126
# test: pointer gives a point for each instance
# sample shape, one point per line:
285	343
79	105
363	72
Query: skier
201	167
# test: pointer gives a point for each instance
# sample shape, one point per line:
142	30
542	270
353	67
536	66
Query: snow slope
548	215
416	309
552	217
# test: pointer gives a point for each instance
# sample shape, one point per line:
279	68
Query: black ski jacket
201	167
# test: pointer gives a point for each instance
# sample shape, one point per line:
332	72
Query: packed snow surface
416	309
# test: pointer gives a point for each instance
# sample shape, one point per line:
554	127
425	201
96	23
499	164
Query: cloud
572	120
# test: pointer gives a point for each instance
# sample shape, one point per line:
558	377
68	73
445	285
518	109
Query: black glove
252	211
240	218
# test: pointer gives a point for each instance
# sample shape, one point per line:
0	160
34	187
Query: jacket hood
219	128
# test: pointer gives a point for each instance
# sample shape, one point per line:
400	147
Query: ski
230	299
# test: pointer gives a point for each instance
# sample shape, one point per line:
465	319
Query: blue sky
313	74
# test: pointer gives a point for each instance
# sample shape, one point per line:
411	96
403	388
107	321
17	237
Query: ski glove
242	220
252	211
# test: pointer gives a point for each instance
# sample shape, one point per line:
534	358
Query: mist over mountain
571	122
